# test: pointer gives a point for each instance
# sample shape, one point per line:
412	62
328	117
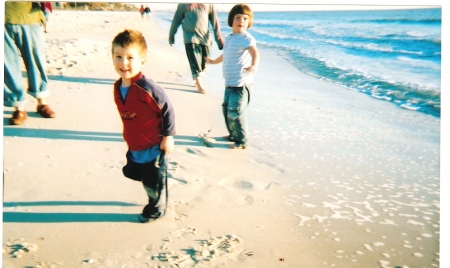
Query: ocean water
391	55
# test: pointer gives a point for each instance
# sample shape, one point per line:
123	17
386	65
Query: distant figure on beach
24	38
194	19
141	11
47	9
147	12
240	61
148	121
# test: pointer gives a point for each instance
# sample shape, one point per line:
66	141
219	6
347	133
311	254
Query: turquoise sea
391	55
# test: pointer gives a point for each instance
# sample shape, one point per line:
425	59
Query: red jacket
147	114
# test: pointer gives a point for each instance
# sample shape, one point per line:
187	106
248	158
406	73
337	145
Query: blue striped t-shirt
236	57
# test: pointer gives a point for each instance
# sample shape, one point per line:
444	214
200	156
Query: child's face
240	23
127	62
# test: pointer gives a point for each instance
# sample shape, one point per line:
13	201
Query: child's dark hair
240	9
130	37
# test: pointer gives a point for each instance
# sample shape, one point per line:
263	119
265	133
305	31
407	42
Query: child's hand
251	69
255	59
211	61
167	144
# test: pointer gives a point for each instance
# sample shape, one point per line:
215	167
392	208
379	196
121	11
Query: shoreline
335	175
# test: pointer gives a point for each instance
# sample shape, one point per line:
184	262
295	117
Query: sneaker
45	111
143	219
18	117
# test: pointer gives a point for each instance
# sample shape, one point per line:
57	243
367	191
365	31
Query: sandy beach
332	177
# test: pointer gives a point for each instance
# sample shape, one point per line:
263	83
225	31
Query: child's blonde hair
240	9
130	38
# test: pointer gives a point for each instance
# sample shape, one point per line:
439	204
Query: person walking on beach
148	119
194	19
24	38
47	9
240	61
147	12
141	11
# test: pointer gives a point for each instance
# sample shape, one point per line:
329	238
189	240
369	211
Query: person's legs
14	90
155	185
194	53
33	53
225	109
201	53
205	54
47	15
236	115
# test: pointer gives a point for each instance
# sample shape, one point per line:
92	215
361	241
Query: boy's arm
159	97
218	60
168	116
167	144
255	59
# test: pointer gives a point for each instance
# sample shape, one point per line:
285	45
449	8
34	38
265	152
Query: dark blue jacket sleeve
162	99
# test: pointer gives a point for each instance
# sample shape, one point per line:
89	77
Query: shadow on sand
167	85
67	203
39	217
63	134
45	217
103	81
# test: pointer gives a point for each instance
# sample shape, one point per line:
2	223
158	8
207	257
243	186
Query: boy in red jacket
148	121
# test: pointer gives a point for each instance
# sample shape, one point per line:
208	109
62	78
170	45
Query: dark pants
196	55
154	179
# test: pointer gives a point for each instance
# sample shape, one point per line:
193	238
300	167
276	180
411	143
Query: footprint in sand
245	185
243	200
211	252
180	181
207	141
242	184
17	250
196	152
192	203
173	166
271	185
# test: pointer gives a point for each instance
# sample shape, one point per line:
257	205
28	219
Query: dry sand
332	178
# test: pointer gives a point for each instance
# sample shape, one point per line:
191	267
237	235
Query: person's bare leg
43	109
41	101
198	85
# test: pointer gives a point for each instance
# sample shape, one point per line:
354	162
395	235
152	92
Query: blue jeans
29	41
234	109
